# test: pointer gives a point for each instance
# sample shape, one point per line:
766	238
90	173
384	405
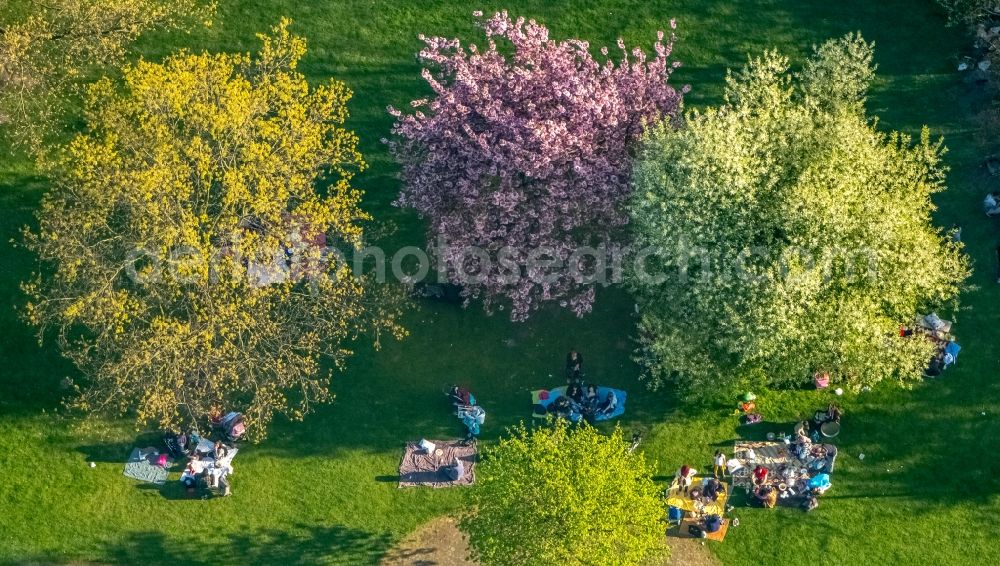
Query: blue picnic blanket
602	393
141	468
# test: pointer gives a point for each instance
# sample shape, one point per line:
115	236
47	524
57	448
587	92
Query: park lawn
322	490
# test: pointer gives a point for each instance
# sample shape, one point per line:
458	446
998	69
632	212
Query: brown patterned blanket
780	460
419	468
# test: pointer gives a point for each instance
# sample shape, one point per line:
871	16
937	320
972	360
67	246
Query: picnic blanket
216	468
140	466
419	468
677	499
780	460
542	398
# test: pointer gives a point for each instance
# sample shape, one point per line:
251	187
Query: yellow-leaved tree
48	48
185	242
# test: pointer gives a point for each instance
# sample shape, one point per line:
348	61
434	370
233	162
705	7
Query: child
720	464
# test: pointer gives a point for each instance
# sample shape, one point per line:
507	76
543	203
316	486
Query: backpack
713	523
696	531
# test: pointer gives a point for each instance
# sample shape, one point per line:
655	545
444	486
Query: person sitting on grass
455	470
759	477
609	405
767	496
562	407
712	489
684	478
574	367
220	451
802	428
810	503
803	445
575	392
590	398
819	484
831	414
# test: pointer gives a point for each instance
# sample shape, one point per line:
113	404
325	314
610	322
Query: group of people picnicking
710	491
209	463
767	488
766	494
581	399
209	469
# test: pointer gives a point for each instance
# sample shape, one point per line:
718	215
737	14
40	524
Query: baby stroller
177	444
472	416
232	426
459	396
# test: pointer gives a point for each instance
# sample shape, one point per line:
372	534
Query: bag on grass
713	523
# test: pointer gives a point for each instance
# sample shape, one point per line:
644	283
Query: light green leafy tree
792	235
562	495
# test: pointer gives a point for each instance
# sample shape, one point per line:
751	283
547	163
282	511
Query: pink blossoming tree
521	159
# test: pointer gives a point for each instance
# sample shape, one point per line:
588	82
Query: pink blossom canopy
527	151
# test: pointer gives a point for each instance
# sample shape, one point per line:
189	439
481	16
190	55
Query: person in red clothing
460	395
685	476
759	476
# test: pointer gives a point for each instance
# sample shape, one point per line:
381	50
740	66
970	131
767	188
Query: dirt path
690	552
436	543
440	543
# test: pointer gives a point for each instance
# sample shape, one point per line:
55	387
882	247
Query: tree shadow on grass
938	458
117	452
298	544
395	395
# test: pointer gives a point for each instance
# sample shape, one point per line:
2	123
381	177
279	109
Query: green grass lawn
322	491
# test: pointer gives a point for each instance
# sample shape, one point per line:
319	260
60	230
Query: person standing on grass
719	467
574	367
998	264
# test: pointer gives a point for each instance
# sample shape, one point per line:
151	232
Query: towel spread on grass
419	468
541	404
140	467
676	498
